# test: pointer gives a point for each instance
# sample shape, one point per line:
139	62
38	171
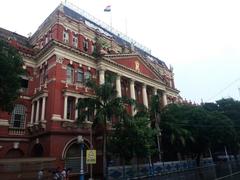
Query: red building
58	58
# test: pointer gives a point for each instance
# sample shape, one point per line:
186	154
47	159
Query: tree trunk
157	121
123	166
151	171
198	159
137	166
104	152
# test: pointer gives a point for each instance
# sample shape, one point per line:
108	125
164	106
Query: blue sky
200	39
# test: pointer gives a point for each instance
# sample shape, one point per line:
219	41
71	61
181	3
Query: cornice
129	73
65	51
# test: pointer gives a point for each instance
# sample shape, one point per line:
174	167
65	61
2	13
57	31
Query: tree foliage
195	129
10	70
102	108
229	108
133	137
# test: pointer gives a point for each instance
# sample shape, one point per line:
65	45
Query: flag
107	8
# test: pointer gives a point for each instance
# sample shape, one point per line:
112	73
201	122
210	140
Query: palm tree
102	108
155	112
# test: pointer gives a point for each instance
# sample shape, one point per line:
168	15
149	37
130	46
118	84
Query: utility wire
222	90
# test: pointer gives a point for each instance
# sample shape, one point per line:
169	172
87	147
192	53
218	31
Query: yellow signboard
91	157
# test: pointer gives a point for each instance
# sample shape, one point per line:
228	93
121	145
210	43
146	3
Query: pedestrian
40	174
57	174
63	174
68	171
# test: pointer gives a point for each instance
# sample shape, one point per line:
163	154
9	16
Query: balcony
16	131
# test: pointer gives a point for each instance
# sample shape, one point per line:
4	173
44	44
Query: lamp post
80	141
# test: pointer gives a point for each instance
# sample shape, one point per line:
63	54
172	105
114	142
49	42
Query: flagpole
108	9
111	19
126	25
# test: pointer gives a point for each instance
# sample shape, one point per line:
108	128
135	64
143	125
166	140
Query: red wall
130	63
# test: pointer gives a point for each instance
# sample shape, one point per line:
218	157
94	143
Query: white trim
25	97
4	122
72	94
45	94
56	117
29	62
75	58
14	139
73	141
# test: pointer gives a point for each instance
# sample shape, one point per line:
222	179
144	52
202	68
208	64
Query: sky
200	39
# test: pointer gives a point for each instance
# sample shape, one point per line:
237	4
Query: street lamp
80	140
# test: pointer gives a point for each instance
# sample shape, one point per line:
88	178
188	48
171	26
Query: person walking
40	174
63	174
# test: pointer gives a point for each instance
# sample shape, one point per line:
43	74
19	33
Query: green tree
102	108
10	70
133	137
193	129
175	130
221	131
230	108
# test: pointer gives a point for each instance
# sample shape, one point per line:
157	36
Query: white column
164	97
101	76
65	107
144	93
43	108
133	96
154	91
76	110
32	114
118	86
132	90
37	113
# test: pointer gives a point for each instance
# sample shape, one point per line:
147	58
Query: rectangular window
65	37
70	108
18	117
88	76
46	40
75	41
85	45
24	85
43	74
70	74
17	120
80	75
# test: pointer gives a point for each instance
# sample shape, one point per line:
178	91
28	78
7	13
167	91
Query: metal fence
159	168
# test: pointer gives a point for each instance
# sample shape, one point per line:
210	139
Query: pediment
137	64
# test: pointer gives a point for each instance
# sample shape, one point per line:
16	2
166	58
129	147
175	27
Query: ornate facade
66	50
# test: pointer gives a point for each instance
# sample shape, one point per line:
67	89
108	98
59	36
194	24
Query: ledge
4	122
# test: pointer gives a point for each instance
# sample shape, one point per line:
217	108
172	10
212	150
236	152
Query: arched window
18	116
73	160
88	75
80	75
70	74
14	153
